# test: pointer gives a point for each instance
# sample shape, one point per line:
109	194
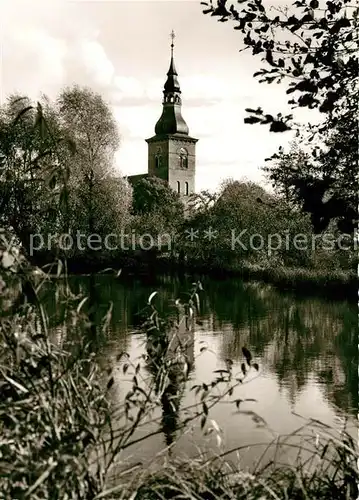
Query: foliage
334	474
244	229
57	169
99	196
287	168
157	208
153	194
314	48
243	207
31	144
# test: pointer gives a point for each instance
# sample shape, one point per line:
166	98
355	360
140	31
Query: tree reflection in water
299	339
170	360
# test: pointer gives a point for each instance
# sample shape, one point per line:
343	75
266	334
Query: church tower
171	151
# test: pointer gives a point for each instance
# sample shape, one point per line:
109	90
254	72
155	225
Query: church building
172	151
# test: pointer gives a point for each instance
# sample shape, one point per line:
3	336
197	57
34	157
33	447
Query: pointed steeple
172	84
171	121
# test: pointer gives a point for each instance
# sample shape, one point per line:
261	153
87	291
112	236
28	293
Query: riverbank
334	284
342	285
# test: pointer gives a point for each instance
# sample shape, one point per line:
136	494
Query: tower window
183	158
178	187
186	188
158	161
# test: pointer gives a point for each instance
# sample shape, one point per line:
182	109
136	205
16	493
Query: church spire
172	84
171	121
173	36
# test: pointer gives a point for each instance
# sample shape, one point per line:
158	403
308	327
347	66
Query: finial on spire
173	36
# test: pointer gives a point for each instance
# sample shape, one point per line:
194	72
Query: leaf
81	304
205	408
41	479
59	268
7	260
248	356
307	86
203	421
257	111
279	126
252	119
103	271
215	426
107	317
269	58
341	23
121	354
16	384
196	296
150	298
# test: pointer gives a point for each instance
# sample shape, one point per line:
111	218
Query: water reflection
307	348
170	361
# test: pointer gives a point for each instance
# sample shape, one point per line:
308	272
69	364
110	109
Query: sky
121	49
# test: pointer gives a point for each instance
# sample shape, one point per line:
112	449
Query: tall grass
325	468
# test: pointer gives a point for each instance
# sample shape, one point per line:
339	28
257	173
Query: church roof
172	83
171	121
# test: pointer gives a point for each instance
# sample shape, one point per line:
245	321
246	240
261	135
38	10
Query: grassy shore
335	284
340	284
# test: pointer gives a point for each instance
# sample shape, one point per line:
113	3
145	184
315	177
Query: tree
313	48
285	168
153	197
31	148
57	168
95	196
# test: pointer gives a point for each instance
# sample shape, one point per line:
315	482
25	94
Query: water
306	349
